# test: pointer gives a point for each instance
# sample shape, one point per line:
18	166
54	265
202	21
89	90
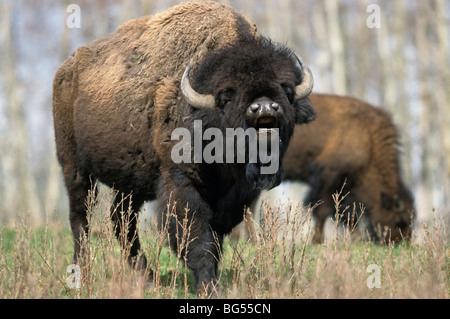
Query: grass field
279	262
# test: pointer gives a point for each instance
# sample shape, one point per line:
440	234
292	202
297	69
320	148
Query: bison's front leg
188	217
202	257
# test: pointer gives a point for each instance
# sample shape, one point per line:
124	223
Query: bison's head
394	221
253	83
391	219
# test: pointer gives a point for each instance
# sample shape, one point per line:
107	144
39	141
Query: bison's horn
304	89
197	100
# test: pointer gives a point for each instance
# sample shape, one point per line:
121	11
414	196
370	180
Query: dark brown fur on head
238	74
250	68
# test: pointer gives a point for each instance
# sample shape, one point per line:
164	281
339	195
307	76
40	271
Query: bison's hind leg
78	186
124	215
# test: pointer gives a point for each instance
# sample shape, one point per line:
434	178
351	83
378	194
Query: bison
118	101
356	144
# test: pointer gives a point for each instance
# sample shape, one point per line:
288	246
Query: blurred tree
402	66
20	196
443	95
432	57
337	46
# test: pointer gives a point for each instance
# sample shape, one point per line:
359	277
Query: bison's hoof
208	290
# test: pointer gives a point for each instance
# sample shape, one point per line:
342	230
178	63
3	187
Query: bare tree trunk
384	38
53	189
323	56
359	65
425	187
391	44
442	96
147	6
337	47
22	196
402	115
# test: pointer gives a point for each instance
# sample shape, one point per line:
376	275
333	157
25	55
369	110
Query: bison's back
120	67
340	139
154	47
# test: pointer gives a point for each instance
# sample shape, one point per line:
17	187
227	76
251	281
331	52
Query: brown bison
118	102
353	142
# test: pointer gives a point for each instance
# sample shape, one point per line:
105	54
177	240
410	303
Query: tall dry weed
276	261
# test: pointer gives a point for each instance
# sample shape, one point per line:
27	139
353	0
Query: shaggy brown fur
351	141
117	101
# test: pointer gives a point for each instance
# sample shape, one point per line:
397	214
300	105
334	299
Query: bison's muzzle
263	113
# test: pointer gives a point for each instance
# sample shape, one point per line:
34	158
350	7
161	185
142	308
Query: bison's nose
265	106
263	110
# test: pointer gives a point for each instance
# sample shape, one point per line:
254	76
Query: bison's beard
263	148
267	172
262	181
255	151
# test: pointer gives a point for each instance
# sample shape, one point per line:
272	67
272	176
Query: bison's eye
289	92
226	97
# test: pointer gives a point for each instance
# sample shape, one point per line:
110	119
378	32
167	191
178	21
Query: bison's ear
304	112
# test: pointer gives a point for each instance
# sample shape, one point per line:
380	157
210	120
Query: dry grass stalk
277	261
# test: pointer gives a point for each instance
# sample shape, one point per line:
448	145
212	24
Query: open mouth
266	124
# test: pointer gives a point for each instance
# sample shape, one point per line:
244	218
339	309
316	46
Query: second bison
352	143
118	101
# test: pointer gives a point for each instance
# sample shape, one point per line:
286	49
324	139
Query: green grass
279	262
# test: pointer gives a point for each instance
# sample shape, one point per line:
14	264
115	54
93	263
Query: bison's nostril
263	107
255	107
